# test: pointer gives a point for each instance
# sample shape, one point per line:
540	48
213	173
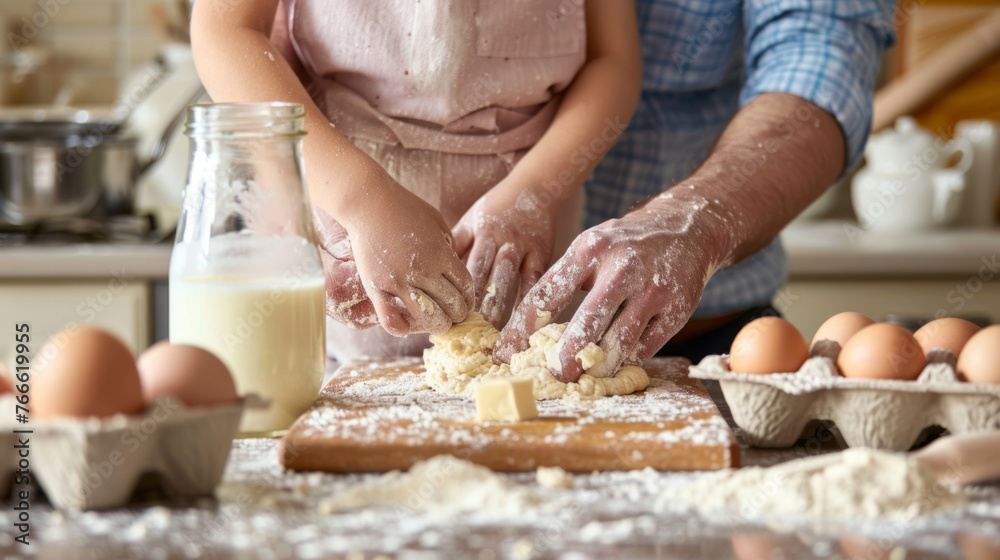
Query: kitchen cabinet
119	305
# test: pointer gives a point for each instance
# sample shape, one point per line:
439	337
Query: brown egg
193	375
768	345
759	546
949	334
841	327
85	371
978	547
860	548
6	381
979	361
882	351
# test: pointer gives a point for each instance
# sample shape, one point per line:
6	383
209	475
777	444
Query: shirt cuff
827	60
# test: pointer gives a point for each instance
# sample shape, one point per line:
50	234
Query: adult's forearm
777	155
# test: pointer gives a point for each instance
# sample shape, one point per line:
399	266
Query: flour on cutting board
400	409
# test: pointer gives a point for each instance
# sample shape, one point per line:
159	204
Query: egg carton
94	463
774	409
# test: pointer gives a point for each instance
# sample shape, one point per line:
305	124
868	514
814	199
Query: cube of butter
506	399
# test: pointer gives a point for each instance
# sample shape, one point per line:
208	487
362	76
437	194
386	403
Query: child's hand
346	299
404	256
506	238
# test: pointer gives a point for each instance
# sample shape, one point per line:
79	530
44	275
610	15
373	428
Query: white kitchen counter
85	260
843	249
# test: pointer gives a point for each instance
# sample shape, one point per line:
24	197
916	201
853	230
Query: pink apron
446	96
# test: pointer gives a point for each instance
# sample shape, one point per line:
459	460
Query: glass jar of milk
246	280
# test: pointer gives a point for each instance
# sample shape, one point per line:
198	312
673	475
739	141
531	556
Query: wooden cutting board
379	416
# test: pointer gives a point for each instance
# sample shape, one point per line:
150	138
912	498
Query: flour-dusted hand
404	256
645	273
507	239
346	299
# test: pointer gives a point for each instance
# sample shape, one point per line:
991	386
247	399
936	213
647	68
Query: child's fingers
458	275
447	297
425	314
331	235
461	239
480	263
502	285
360	316
391	313
532	270
346	299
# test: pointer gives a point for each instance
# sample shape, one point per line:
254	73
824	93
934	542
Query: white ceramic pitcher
906	185
981	194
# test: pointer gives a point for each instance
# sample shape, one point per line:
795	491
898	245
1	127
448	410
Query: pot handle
161	145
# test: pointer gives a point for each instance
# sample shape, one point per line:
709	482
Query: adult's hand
645	273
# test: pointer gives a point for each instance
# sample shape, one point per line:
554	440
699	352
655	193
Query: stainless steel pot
63	171
55	169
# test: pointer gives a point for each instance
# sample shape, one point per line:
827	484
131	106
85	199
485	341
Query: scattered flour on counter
553	477
620	530
857	483
445	487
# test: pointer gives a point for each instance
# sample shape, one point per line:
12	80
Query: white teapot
906	185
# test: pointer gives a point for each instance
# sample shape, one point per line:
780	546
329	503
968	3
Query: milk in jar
269	331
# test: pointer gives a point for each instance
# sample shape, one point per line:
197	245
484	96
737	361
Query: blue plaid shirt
704	59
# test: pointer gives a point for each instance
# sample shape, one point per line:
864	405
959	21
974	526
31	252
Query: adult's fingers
501	290
622	336
588	325
547	299
657	333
